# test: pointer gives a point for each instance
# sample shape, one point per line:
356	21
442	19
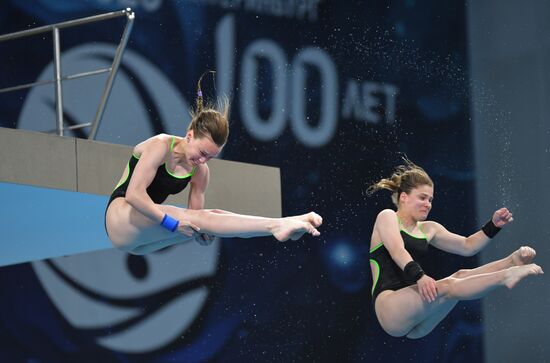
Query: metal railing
58	77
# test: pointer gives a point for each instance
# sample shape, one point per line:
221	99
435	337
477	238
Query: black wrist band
490	229
413	271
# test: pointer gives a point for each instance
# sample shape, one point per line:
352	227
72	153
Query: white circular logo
128	303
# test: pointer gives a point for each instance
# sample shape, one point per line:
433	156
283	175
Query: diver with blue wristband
164	165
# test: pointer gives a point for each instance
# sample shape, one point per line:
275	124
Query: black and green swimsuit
164	184
387	275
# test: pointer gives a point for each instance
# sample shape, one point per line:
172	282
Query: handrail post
58	87
114	69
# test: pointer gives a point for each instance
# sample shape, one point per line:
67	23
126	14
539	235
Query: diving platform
54	190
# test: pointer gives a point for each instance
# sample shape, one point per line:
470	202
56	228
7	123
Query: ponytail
208	120
406	177
200	102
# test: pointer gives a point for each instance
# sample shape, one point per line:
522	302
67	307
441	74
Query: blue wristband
169	223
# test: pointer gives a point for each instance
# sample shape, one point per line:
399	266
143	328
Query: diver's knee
445	287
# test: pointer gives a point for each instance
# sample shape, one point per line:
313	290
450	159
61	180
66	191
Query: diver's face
200	149
418	202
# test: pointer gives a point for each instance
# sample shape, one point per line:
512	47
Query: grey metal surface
509	54
244	188
100	165
95	167
39	159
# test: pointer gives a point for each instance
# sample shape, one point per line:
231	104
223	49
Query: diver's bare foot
292	228
311	217
523	256
515	274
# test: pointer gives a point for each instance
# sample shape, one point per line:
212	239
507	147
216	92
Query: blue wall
333	95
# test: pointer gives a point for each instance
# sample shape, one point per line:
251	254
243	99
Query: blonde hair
210	120
405	178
